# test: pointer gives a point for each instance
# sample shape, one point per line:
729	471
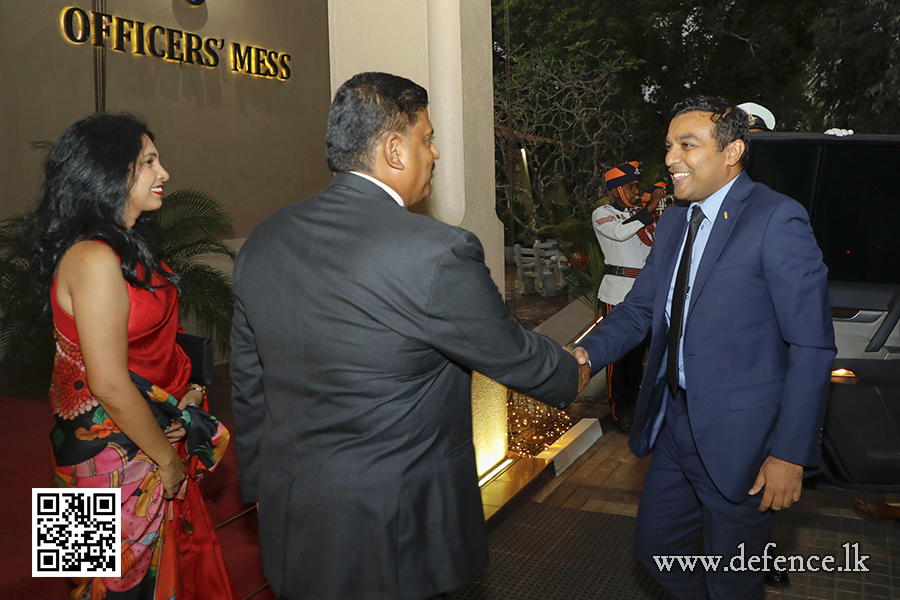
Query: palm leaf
574	238
192	224
10	239
24	338
191	250
208	298
191	215
585	286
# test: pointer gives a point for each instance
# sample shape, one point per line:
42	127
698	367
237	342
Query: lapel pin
726	214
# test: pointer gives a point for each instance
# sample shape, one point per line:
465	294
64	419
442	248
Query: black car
851	187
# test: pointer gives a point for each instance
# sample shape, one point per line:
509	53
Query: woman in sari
125	412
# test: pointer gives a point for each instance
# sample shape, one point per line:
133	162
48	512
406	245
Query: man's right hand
584	366
584	376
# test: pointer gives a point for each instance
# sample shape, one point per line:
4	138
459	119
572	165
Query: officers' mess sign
76	532
173	45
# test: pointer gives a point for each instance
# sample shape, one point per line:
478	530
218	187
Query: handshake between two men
366	383
584	366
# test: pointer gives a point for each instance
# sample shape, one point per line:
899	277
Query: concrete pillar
445	46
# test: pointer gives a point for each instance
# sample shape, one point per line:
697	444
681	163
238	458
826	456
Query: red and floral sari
160	538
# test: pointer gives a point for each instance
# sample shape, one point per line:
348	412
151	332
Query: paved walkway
608	479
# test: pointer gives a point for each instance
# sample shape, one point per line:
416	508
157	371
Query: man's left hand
783	482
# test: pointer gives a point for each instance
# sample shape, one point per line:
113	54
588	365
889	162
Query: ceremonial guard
625	231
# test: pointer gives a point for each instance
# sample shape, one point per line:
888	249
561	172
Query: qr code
76	532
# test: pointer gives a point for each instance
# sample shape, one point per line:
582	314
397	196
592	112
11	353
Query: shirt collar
711	205
383	186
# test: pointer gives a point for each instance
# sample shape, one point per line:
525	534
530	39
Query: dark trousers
623	377
677	501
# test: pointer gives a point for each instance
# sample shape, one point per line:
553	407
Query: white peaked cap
761	112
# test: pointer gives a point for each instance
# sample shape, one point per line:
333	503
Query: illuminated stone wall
489	428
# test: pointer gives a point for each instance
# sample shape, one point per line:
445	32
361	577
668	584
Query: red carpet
25	452
239	538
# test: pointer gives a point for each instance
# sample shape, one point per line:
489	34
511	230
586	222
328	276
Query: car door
851	188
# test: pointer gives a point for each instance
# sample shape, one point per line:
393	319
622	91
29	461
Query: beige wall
253	143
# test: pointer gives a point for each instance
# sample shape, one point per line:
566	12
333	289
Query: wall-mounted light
195	2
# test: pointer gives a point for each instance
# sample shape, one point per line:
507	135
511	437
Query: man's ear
734	151
392	149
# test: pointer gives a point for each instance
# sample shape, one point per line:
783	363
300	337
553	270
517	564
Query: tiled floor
608	479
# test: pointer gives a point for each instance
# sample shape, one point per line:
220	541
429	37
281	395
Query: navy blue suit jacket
758	340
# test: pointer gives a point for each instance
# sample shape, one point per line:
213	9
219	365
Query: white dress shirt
383	186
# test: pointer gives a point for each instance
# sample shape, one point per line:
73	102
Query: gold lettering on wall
172	45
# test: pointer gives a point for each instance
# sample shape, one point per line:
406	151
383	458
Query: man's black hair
730	122
365	109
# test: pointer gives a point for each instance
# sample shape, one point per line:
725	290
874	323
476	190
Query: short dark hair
365	109
730	122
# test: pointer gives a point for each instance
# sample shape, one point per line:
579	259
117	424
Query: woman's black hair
87	179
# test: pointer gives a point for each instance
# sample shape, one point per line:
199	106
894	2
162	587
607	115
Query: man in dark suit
356	330
734	393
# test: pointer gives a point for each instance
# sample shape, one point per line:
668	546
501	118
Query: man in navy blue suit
734	394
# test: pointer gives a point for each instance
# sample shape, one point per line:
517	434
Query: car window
778	166
856	217
851	188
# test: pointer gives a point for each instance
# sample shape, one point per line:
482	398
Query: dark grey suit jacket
356	330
